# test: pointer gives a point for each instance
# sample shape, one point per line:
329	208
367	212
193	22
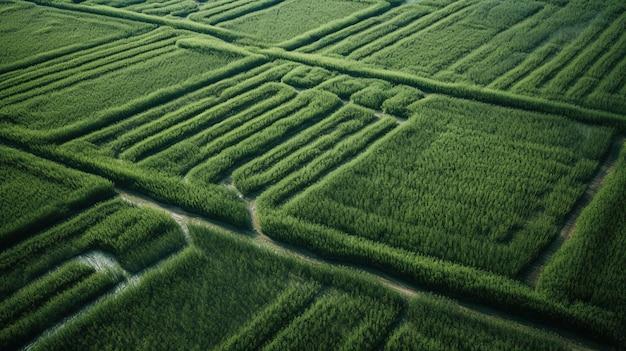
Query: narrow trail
409	290
532	273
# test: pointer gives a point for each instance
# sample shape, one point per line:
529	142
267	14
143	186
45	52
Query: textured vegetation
190	174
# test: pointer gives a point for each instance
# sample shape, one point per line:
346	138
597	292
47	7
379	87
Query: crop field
323	175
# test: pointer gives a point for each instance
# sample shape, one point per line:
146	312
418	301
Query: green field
312	175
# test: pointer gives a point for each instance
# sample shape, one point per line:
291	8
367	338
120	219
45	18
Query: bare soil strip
532	273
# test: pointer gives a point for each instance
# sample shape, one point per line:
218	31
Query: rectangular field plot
475	184
31	34
293	17
127	76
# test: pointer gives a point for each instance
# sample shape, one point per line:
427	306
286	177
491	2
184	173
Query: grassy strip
239	11
33	257
32	296
74	63
327	322
334	26
65	78
544	73
216	7
346	149
233	127
437	324
387	23
296	152
450	11
589	266
153	121
197	123
441	276
458	90
599	70
581	63
61	52
351	30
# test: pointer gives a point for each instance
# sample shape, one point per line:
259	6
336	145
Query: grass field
288	174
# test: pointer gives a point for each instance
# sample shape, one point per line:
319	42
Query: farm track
185	218
532	273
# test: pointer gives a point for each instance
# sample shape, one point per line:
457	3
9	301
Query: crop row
348	85
437	18
603	75
351	16
176	8
276	24
387	23
344	150
235	122
124	135
137	238
542	74
198	122
505	51
256	332
311	107
105	62
435	324
115	85
566	77
167	21
215	7
300	150
352	30
331	323
238	9
112	105
32	258
440	45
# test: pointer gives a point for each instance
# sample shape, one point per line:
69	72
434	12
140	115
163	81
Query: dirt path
532	273
404	288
